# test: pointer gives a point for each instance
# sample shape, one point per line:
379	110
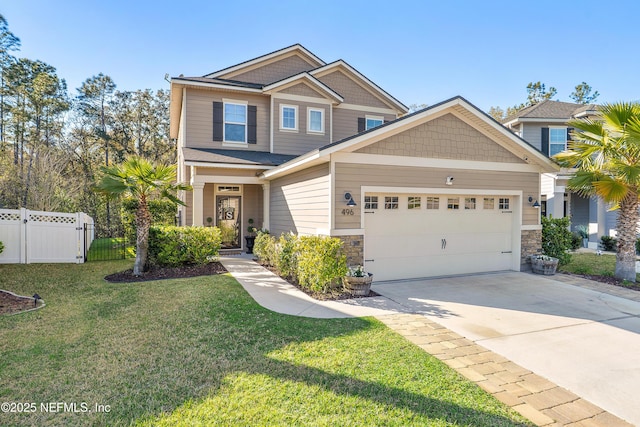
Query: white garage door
410	236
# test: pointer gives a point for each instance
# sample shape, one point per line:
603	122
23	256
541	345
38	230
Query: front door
228	220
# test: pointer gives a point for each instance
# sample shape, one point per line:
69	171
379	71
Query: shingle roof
549	109
226	82
238	157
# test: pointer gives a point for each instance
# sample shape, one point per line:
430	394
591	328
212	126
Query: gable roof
306	77
296	49
463	108
549	109
376	90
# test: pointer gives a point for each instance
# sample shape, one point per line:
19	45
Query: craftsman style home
544	126
290	143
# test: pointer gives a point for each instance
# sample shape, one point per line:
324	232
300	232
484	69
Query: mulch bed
335	294
158	273
10	304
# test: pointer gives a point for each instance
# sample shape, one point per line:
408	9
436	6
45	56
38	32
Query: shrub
174	246
576	241
286	260
556	238
163	212
321	262
265	248
609	243
1	247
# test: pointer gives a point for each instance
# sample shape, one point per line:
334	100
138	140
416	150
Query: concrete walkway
539	399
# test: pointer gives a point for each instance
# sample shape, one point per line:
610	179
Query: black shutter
569	130
218	121
252	124
545	141
361	124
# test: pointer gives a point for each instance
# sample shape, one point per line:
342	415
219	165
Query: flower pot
358	286
251	240
544	265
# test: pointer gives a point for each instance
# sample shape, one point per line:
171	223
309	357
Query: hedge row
175	246
317	263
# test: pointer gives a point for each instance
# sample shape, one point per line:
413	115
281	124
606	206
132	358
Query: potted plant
251	237
357	281
583	231
544	264
209	221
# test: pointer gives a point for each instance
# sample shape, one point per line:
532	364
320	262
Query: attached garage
410	235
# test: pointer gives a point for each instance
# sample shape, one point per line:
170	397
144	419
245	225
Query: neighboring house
544	125
300	145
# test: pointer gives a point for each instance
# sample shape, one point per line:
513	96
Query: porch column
557	209
602	219
266	197
197	207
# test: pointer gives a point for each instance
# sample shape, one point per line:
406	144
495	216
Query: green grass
200	351
110	248
590	263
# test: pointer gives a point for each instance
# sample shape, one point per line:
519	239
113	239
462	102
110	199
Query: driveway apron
583	340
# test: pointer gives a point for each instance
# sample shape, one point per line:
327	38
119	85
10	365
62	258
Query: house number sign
347	212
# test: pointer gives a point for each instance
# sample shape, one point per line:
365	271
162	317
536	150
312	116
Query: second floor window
289	119
373	121
315	120
557	140
235	122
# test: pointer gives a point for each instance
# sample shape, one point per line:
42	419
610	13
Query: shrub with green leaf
1	247
609	243
265	248
286	260
163	212
556	238
321	263
576	241
175	246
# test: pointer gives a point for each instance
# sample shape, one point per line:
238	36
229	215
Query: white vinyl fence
38	237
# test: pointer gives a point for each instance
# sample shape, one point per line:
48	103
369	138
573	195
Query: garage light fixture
449	180
350	202
535	204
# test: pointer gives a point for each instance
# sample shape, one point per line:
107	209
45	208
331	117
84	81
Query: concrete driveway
583	340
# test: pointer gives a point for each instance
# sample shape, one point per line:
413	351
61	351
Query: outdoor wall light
534	204
350	202
449	180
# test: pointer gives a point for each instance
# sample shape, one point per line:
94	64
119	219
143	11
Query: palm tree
142	180
606	154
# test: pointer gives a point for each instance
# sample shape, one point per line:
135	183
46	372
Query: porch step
230	252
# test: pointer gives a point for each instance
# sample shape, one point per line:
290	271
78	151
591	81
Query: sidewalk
539	400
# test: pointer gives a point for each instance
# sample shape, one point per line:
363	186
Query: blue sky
419	51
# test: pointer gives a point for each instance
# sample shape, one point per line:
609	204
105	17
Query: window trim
368	117
295	118
245	104
318	110
564	132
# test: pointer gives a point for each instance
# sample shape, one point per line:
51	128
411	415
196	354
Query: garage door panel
410	243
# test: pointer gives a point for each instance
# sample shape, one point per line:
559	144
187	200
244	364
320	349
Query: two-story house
544	125
295	144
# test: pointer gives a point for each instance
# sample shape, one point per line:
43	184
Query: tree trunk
627	234
143	222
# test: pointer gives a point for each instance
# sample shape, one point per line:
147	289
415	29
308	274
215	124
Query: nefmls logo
55	407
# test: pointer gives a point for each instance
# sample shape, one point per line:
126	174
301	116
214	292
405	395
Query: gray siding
199	118
252	203
300	141
446	137
532	134
300	201
350	177
345	121
352	92
272	72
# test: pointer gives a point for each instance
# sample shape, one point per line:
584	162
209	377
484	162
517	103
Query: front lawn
200	351
592	264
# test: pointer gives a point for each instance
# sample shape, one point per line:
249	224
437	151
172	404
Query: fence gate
42	237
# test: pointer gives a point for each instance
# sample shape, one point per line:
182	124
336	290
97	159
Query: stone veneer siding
354	249
531	244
